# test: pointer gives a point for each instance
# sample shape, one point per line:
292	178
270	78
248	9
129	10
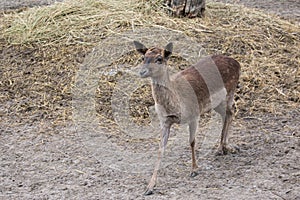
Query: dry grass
42	49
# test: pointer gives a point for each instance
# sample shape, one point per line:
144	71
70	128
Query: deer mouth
144	73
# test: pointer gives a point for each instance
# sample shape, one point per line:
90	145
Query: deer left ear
168	50
140	47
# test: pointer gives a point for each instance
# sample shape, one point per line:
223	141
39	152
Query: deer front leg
162	146
192	129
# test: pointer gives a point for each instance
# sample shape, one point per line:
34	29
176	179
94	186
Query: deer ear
168	50
140	47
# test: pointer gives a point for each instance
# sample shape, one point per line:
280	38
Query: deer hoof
224	150
148	192
221	151
193	174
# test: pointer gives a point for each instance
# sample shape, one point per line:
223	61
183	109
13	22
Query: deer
184	96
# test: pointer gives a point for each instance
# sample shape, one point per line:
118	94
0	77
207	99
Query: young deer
181	98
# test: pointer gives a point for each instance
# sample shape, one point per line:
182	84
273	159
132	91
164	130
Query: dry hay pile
43	47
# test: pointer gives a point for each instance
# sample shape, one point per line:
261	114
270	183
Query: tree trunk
187	8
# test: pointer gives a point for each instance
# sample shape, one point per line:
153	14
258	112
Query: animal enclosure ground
42	158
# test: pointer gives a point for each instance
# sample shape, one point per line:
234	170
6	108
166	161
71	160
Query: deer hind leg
192	129
162	146
225	109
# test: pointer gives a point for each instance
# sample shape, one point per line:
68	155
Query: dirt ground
17	4
42	161
288	9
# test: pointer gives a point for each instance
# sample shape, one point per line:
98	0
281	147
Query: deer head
154	60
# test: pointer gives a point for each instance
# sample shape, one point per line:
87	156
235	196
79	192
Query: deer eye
142	58
158	60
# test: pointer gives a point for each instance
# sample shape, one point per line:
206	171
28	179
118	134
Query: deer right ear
168	50
140	47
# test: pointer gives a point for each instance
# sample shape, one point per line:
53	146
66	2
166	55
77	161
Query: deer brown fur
181	98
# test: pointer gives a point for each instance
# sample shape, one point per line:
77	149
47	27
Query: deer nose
144	72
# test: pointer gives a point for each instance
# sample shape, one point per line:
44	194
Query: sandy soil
42	161
288	9
16	4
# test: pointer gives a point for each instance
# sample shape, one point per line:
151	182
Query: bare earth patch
289	9
16	4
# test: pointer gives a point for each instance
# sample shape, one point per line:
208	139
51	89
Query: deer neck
162	80
165	97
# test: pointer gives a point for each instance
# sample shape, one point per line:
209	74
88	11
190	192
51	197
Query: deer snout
144	72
